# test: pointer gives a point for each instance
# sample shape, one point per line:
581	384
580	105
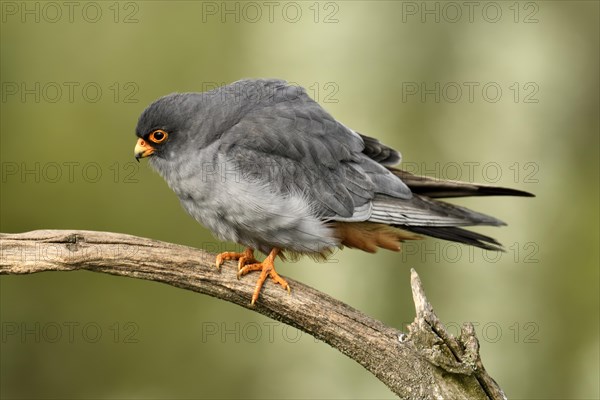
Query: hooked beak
142	149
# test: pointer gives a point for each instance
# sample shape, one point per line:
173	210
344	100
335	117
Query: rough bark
425	363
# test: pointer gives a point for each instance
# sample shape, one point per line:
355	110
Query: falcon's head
165	127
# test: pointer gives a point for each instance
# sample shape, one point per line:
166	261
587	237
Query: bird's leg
266	268
246	257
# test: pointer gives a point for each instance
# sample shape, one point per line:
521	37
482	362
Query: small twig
413	366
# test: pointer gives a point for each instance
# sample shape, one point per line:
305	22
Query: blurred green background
496	92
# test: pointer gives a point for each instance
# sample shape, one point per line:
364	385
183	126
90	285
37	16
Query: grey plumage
260	163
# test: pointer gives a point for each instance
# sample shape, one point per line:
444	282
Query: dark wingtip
441	188
502	191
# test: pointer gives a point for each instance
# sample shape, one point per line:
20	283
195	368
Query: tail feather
455	234
393	220
424	211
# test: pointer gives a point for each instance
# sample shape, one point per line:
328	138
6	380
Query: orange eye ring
158	136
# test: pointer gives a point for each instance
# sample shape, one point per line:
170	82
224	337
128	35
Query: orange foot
243	258
247	263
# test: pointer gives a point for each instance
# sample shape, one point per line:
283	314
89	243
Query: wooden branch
426	363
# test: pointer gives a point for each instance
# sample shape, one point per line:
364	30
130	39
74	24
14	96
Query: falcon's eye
158	136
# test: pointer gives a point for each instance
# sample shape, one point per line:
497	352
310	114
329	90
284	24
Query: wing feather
296	146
